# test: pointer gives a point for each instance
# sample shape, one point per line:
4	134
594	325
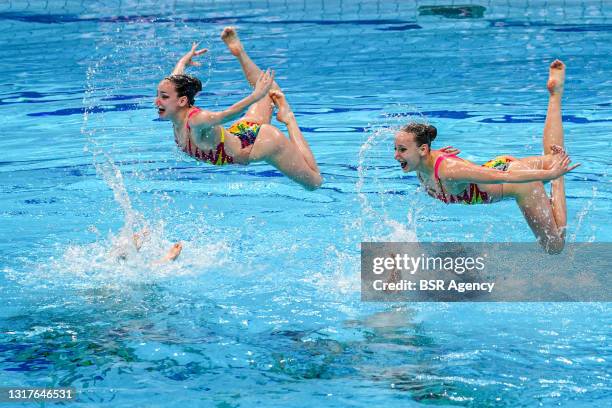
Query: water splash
116	262
380	138
374	191
102	160
582	217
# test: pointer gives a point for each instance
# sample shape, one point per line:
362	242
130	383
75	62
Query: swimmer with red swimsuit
453	180
201	134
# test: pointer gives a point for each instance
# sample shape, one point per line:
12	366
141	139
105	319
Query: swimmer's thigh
273	147
537	210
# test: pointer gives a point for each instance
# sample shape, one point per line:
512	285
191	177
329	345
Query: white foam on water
115	262
340	272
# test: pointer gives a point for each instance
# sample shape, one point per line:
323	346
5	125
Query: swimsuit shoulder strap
222	135
439	162
437	165
437	177
190	114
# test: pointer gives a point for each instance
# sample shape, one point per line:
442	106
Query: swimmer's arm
460	171
209	119
186	59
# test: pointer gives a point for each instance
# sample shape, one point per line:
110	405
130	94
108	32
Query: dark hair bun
186	85
423	133
197	84
432	132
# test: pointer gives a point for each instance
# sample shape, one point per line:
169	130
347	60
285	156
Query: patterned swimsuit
246	131
472	194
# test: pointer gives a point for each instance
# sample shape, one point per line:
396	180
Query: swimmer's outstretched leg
260	112
553	139
546	217
250	69
292	156
553	127
285	115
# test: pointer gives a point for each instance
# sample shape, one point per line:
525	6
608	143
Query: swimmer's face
407	153
167	101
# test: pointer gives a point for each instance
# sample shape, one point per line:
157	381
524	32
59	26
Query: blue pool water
263	305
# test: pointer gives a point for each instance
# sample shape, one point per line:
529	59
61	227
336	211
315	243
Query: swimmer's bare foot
284	114
173	253
230	38
556	78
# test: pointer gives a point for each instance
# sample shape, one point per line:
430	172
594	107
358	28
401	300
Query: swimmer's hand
560	165
194	52
450	150
263	84
187	59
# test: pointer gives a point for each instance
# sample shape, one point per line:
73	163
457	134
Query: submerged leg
260	112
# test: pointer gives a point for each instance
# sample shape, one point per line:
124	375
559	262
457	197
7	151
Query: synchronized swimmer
454	180
252	138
